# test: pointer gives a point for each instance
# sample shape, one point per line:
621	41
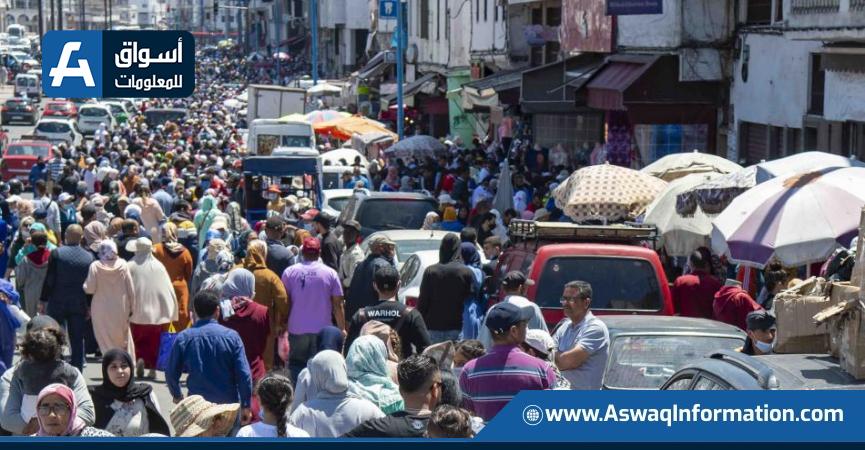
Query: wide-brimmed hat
140	244
194	415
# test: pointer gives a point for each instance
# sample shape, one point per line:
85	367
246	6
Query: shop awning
483	94
607	89
424	84
843	59
375	67
553	88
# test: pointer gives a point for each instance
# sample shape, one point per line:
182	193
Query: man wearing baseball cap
761	333
514	284
314	301
488	383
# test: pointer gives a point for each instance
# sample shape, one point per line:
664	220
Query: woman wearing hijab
177	261
473	311
248	318
10	320
151	212
391	182
30	247
431	221
368	372
124	407
223	263
94	232
56	412
331	410
110	284
155	304
208	265
449	220
204	218
31	271
18	243
521	201
269	292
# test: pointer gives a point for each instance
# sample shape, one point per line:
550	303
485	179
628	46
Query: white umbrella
798	219
504	198
324	89
801	162
682	227
678	165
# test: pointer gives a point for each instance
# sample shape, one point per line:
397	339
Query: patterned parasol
607	192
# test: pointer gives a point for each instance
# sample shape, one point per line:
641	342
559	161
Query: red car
60	108
20	156
626	277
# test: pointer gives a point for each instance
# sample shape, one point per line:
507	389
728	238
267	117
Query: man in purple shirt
314	301
491	381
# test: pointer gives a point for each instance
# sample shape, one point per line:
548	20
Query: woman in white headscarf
110	283
155	303
332	411
209	265
430	222
521	201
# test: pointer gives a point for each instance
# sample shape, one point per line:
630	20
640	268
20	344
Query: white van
28	84
91	115
267	134
16	31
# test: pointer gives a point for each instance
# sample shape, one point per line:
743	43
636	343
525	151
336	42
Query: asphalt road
93	369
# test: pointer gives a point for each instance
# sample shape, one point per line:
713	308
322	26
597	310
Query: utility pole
41	22
59	14
51	26
400	69
278	27
314	43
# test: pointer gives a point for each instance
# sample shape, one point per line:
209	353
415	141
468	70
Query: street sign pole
314	44
278	26
400	70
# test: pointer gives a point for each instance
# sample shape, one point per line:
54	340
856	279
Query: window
810	138
409	270
779	10
337	40
814	6
551	52
657	141
759	12
486	10
537	16
554	17
438	21
680	384
496	13
477	10
619	283
424	19
385	214
818	85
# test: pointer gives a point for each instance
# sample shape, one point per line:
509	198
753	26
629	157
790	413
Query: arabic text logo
533	415
62	70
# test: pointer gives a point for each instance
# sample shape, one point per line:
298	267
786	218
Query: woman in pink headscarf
391	182
56	413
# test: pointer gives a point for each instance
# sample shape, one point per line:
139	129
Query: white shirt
263	430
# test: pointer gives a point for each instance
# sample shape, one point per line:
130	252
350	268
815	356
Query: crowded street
393	233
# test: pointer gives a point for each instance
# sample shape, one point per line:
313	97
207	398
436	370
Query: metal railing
857	5
815	6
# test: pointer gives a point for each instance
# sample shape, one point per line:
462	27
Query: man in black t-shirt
407	322
420	385
331	248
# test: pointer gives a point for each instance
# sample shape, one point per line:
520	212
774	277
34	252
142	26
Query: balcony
828	20
815	6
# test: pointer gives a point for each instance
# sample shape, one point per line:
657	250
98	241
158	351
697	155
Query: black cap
353	224
503	316
275	223
515	279
760	320
324	219
40	214
386	278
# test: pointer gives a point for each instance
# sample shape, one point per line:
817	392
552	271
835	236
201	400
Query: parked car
17	110
626	276
332	175
118	110
646	350
20	156
731	370
59	130
335	200
90	116
411	274
62	108
379	211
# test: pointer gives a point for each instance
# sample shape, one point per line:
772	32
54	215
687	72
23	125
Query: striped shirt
491	381
55	166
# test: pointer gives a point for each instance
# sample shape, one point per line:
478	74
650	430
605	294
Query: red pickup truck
626	276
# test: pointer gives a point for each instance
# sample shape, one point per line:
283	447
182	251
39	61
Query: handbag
166	342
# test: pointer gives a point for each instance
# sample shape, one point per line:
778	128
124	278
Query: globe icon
532	415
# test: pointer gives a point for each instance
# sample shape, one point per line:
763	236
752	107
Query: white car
118	110
59	130
90	116
411	274
335	200
409	242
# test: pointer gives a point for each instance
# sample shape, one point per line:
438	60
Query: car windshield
92	112
27	150
338	203
58	106
393	214
295	141
26	81
331	181
15	103
115	109
53	127
619	283
646	362
157	117
406	248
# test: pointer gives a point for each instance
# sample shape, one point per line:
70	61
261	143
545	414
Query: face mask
308	227
764	347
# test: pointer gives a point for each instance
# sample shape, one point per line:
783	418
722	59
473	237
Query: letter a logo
63	70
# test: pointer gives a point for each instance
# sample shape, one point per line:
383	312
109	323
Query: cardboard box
795	309
847	327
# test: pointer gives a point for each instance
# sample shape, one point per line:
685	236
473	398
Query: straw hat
194	415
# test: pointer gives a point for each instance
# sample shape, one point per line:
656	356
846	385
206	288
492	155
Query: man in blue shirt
214	357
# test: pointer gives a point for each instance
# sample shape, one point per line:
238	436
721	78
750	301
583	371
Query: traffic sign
387	9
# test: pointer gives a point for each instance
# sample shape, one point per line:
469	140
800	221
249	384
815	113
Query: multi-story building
798	79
